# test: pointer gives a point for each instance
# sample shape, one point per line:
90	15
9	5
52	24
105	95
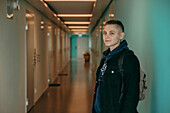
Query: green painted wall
147	29
74	45
160	36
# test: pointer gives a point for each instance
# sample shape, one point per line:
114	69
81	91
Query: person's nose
107	36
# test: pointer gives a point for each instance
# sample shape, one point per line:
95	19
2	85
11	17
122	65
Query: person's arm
131	88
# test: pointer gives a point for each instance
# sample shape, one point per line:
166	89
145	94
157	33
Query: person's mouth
107	40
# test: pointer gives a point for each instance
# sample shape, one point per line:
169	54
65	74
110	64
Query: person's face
112	35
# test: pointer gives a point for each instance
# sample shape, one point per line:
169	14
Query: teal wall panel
160	32
74	46
147	32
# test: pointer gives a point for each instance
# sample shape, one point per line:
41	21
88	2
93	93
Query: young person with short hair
108	97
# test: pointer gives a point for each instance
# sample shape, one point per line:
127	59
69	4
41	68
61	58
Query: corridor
43	43
73	92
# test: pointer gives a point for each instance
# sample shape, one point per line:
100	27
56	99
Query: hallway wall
147	29
74	46
46	43
51	53
12	61
13	53
82	46
41	46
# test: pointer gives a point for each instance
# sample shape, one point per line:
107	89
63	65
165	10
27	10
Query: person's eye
104	33
112	33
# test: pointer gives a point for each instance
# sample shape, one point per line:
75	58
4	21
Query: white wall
41	45
58	50
12	61
82	45
13	58
51	54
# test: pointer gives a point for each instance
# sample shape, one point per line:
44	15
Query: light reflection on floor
73	96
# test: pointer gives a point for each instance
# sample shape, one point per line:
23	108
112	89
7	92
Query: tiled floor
74	95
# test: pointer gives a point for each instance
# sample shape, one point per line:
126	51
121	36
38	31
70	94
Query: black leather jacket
110	89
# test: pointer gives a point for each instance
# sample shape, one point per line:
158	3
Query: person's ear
122	34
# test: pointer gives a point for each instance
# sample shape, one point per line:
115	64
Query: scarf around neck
108	55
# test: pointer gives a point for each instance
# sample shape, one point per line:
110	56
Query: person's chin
107	45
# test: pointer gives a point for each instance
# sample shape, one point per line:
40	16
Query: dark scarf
106	56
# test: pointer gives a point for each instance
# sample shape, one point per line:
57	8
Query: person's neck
113	47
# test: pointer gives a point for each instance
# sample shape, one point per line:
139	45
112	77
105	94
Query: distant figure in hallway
109	96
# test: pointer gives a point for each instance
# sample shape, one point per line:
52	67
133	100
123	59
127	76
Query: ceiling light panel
78	27
70	0
77	22
74	15
76	33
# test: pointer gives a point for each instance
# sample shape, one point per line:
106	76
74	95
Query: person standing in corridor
108	97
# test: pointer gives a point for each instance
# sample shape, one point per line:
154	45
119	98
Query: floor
75	93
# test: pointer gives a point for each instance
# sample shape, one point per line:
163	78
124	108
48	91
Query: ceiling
76	10
83	13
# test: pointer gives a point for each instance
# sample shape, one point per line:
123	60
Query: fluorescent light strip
77	22
70	0
49	27
76	33
44	3
74	15
78	27
58	19
55	15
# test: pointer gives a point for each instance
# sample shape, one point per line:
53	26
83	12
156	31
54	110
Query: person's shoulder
129	52
131	58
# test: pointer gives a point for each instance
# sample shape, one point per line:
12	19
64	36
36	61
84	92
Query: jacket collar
108	54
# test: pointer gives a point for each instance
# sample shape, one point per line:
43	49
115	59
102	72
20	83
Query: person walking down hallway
108	97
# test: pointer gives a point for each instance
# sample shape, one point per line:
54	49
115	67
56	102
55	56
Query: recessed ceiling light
76	33
77	22
80	35
70	0
58	19
55	15
49	27
78	27
45	5
74	15
42	22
